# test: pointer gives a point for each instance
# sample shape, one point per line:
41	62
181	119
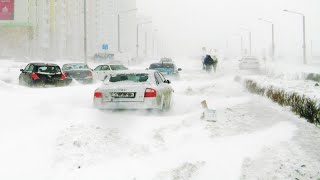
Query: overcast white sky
191	24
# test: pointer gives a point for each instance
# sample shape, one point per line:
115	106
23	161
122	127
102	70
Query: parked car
103	71
77	71
249	62
167	69
144	89
41	75
103	57
166	60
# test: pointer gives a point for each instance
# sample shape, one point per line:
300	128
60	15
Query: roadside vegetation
300	104
313	77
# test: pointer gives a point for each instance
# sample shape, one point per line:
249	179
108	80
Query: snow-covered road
55	133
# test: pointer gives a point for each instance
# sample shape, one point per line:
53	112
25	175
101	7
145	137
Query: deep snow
55	133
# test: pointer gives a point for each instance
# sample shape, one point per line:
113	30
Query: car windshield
140	77
74	66
118	67
161	65
49	69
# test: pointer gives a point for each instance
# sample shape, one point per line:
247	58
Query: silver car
145	89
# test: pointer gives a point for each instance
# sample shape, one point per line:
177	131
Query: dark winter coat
208	61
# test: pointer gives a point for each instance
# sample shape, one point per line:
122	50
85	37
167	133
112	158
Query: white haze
187	25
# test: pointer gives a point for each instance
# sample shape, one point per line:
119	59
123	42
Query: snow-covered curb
303	98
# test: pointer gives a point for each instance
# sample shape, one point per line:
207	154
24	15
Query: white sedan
145	89
103	71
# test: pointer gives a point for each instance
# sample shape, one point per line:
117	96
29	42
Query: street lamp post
153	41
85	29
241	42
304	34
119	13
249	40
138	24
272	31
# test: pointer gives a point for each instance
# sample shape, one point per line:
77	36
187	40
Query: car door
26	74
97	73
163	88
167	86
22	77
105	72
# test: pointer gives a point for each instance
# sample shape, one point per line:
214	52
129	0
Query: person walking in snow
208	62
215	63
204	53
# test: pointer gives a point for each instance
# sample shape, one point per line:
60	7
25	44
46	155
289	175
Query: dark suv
41	75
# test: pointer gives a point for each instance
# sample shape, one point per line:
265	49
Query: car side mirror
21	70
167	81
179	69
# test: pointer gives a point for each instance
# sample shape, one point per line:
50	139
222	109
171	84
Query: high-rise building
57	27
103	25
15	29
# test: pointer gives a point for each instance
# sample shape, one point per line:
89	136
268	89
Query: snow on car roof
43	64
113	63
132	72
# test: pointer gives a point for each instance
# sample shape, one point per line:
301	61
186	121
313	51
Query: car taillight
97	94
63	76
150	92
90	73
34	76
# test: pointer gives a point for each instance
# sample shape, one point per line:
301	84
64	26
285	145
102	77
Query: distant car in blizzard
249	62
166	60
144	89
103	71
167	69
77	71
41	75
103	57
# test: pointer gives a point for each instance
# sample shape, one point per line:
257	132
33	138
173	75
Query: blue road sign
105	46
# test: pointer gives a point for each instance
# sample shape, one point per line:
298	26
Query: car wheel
165	107
21	83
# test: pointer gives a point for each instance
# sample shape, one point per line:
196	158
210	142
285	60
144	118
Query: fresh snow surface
55	133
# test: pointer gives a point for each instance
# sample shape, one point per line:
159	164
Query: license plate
123	95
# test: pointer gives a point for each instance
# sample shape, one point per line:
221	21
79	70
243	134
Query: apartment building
57	27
